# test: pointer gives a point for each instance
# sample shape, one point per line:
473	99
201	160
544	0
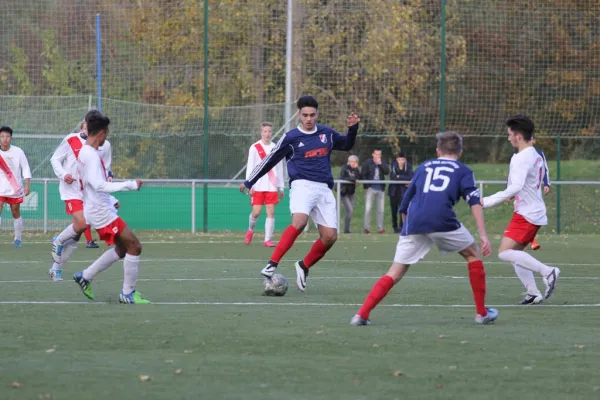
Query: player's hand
486	247
546	189
251	191
352	120
243	188
69	179
139	183
117	205
27	190
281	194
109	179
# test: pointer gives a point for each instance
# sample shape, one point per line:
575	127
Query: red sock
379	291
285	243
88	234
316	252
477	278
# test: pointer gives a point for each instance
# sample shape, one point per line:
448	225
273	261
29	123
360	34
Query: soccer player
100	213
525	180
307	150
13	165
64	164
534	244
265	189
429	218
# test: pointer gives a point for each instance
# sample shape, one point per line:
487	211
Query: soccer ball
277	285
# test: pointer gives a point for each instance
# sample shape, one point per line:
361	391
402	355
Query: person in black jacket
374	169
401	171
350	172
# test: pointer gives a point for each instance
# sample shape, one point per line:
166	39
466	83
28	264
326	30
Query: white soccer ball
277	285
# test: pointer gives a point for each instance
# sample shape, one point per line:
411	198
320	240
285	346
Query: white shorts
413	248
314	199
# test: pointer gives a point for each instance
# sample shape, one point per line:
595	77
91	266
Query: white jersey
13	166
64	162
97	202
273	180
525	181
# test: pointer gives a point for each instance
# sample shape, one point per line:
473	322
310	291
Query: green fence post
443	68
205	122
558	186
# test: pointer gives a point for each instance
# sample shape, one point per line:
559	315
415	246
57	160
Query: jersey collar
305	132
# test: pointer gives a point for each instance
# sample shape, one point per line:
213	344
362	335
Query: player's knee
135	248
329	238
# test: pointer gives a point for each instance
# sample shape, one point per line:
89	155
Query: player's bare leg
256	209
270	225
18	224
327	238
477	279
534	244
288	237
378	292
512	251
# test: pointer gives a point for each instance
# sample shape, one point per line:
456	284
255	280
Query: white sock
68	233
108	258
18	228
527	279
269	228
525	260
57	266
252	223
131	266
69	248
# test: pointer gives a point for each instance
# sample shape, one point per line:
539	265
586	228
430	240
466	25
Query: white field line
316	278
210	303
262	261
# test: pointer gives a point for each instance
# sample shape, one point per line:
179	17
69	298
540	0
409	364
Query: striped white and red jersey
97	202
13	168
525	180
64	162
273	180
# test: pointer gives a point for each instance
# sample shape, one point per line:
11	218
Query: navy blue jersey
436	187
307	154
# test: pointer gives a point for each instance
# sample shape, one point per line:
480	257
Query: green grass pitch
211	323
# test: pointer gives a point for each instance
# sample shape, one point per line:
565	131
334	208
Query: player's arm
280	180
26	172
92	174
546	174
518	174
251	161
280	151
107	158
472	196
59	155
408	196
345	142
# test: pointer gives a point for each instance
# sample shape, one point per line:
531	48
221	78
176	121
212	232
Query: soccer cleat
17	243
357	320
268	243
85	285
56	250
535	246
301	274
491	316
269	270
55	275
91	245
248	237
550	282
134	297
532	299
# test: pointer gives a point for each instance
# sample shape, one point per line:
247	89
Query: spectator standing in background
401	171
350	172
374	169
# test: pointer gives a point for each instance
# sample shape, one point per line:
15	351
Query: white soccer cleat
269	270
491	316
357	320
301	274
55	275
550	281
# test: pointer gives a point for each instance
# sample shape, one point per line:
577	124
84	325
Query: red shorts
73	206
520	230
111	230
260	198
11	200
